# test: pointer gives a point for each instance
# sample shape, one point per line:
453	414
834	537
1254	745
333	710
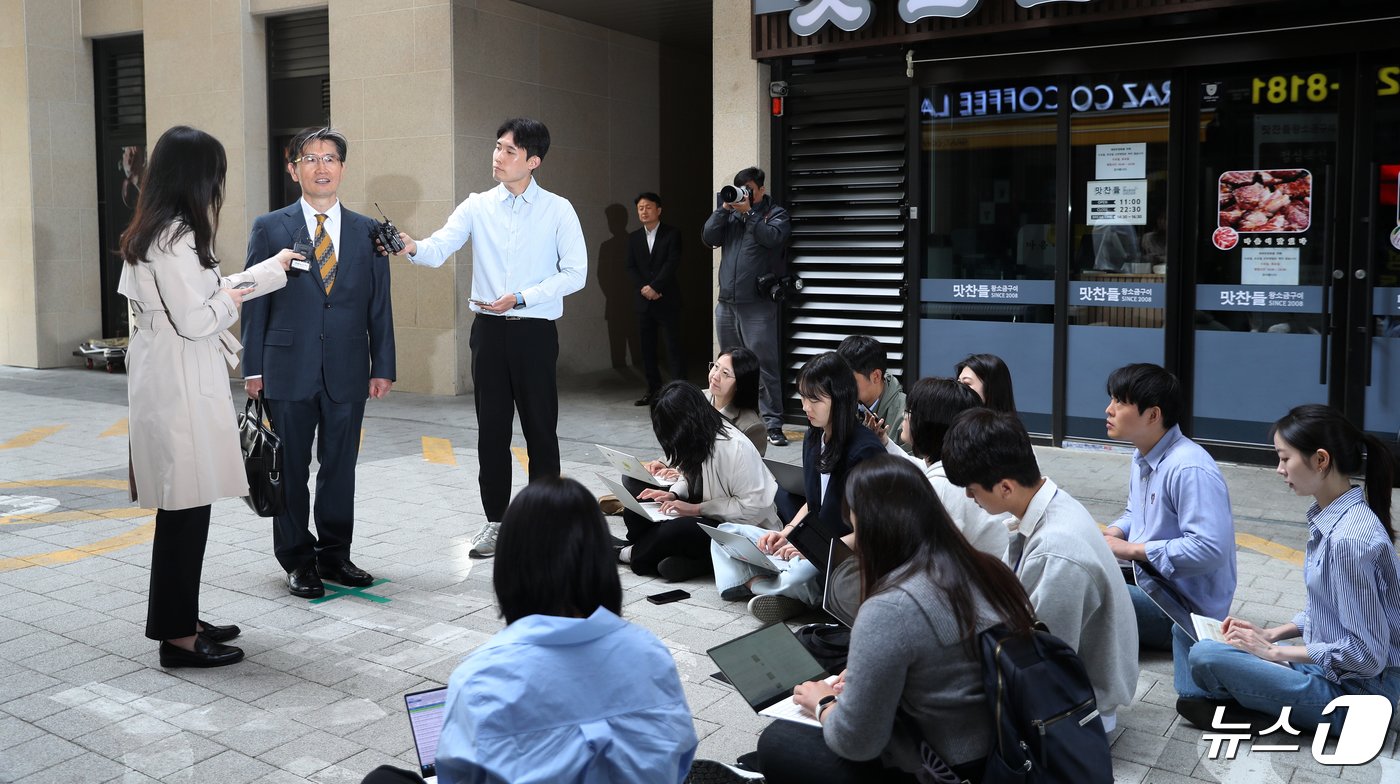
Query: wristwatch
823	704
519	301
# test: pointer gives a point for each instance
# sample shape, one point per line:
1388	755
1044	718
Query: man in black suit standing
653	251
315	351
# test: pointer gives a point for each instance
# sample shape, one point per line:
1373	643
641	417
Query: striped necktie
325	253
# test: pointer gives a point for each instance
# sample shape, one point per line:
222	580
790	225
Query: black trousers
513	369
387	774
797	753
651	541
177	560
668	322
335	428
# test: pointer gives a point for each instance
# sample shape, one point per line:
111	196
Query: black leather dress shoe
304	582
218	633
206	653
345	573
646	400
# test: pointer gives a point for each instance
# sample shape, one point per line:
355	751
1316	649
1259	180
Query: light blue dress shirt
552	699
531	244
1179	507
1351	621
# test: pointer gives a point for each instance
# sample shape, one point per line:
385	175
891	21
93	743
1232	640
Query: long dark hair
686	425
996	380
828	375
899	520
745	364
932	404
1311	427
554	554
183	187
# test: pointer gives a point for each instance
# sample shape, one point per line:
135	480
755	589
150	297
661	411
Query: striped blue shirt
1351	620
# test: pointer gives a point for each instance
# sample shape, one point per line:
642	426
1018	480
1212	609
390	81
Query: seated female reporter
568	691
722	479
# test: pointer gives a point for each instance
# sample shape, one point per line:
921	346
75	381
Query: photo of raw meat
1266	200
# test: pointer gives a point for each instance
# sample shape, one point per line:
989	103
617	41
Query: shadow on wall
618	309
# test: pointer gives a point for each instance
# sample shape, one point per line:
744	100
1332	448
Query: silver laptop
426	711
742	548
789	476
631	466
651	510
765	666
837	556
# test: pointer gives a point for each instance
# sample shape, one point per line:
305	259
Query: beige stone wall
51	299
597	90
741	127
103	18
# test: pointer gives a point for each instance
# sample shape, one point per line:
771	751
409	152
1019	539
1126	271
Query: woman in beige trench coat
184	439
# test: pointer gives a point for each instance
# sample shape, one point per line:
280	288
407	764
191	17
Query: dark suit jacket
655	267
299	338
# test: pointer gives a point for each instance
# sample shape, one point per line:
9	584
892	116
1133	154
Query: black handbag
262	460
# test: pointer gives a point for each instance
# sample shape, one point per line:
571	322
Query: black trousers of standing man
668	323
513	369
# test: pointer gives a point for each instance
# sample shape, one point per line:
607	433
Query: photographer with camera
752	232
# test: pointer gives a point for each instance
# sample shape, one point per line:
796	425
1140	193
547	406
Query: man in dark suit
315	351
653	251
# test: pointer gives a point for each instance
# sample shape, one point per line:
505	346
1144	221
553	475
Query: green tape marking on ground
334	591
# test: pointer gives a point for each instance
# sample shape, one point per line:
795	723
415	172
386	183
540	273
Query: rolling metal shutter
845	178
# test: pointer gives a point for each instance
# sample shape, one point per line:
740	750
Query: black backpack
1047	722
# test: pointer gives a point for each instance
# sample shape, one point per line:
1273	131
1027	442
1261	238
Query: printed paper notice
1117	202
1120	161
1211	629
1269	267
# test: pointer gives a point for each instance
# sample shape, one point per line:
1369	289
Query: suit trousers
177	560
335	427
513	369
754	325
668	322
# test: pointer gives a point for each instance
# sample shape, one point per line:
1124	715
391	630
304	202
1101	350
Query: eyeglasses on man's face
716	367
312	160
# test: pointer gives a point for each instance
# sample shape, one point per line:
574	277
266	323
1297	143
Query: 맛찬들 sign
1117	203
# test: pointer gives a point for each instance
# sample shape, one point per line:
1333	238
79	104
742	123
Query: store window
1382	264
990	242
1119	129
1268	178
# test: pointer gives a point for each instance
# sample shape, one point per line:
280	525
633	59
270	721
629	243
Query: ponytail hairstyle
1311	427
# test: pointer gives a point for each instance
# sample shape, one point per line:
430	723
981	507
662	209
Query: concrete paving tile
14	731
27	759
231	767
311	753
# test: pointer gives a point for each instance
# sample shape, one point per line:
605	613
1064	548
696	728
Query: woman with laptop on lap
721	478
928	594
834	445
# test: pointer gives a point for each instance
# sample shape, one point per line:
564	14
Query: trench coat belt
158	319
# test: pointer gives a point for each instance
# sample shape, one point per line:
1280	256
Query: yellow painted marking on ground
32	437
110	484
523	457
438	450
72	516
117	429
1271	549
140	535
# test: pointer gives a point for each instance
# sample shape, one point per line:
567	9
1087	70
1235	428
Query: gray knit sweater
906	650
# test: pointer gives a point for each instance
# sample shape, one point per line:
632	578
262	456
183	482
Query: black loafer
646	400
345	573
218	633
304	582
1200	713
206	653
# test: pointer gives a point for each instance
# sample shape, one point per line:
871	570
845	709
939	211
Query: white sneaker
774	608
484	543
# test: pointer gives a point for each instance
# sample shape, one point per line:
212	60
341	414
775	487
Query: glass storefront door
1119	133
1380	263
988	277
1267	177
